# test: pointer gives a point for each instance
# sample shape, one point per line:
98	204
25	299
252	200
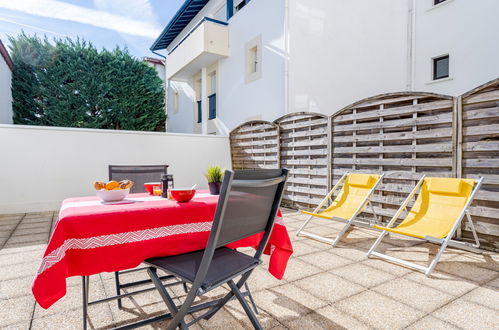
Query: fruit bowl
112	195
182	195
148	186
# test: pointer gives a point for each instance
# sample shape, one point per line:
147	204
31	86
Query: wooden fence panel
304	141
479	156
403	135
254	145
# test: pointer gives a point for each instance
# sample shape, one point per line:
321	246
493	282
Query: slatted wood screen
255	145
479	138
402	135
304	151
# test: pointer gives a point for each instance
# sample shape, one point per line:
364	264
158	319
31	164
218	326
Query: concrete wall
5	93
263	98
41	166
343	51
182	118
466	30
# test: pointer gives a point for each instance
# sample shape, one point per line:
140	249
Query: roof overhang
5	54
182	18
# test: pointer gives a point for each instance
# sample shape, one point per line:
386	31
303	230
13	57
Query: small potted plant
214	175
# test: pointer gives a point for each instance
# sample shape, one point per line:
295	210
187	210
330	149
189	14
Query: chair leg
228	296
164	294
341	233
250	296
245	305
303	225
437	257
375	245
184	284
118	290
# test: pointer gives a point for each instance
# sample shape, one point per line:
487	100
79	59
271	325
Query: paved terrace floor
324	288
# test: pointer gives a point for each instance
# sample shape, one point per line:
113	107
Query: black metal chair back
139	174
248	204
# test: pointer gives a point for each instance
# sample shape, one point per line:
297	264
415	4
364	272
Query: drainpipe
411	44
286	57
163	56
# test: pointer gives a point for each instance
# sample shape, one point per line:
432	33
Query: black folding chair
139	174
247	205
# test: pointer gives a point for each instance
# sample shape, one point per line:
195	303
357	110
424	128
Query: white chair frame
447	241
348	222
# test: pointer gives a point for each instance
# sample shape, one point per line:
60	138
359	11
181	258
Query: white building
5	86
229	61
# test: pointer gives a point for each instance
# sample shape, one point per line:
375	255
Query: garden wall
41	166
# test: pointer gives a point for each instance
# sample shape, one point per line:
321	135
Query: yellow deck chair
435	216
354	196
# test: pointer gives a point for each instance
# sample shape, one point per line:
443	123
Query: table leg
85	300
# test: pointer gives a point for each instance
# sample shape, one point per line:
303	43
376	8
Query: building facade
230	61
5	86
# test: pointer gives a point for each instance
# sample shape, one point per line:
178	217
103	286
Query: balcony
206	43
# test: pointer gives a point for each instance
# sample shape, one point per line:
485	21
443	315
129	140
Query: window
212	106
441	67
254	59
239	4
436	2
233	6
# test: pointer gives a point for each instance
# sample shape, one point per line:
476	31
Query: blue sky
106	23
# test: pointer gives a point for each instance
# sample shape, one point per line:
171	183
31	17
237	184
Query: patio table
91	237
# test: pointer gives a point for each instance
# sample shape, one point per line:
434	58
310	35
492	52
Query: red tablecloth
91	237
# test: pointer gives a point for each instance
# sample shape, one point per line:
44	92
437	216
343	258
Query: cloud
134	9
126	24
33	27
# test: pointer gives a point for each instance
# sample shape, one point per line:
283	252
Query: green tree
72	84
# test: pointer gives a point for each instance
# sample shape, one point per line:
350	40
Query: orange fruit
111	185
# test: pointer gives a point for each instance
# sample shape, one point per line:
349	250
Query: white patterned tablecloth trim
121	238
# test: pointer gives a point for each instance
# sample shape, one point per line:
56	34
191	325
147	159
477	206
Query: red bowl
182	195
148	186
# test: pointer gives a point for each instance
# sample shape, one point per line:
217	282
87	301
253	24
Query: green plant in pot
214	175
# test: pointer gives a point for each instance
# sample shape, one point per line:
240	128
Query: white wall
183	119
343	51
41	166
466	30
264	98
5	93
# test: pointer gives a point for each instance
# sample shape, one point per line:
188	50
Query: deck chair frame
348	222
447	241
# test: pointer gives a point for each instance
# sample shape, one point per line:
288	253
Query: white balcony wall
206	44
41	166
5	93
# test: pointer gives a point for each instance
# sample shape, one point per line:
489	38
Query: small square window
441	67
436	2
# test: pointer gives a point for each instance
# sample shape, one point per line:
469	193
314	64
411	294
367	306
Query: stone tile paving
324	287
